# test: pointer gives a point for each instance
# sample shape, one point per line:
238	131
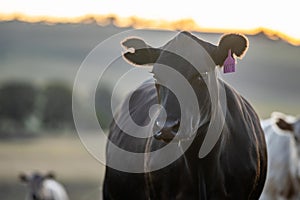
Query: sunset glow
216	16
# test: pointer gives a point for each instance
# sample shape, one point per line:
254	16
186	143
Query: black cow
235	168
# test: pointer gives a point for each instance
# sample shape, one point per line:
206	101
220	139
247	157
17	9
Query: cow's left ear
23	178
284	125
236	43
138	52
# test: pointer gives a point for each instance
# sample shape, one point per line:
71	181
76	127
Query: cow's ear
236	43
284	125
138	52
23	178
50	175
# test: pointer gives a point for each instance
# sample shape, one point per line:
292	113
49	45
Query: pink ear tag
229	63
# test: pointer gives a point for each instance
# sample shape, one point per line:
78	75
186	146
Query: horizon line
187	24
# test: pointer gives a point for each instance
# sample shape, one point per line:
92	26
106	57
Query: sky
277	15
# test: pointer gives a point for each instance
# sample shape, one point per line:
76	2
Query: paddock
80	173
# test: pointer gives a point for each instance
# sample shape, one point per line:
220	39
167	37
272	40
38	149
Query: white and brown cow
283	143
43	187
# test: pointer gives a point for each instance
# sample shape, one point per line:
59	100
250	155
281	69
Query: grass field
80	173
268	77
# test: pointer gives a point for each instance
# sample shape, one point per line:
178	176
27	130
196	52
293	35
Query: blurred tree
56	107
103	106
17	104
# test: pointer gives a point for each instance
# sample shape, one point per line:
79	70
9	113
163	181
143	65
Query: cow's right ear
138	52
284	125
50	175
235	44
23	178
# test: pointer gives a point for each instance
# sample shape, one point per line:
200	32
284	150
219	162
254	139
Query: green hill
268	75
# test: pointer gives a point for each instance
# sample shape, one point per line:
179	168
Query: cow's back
53	190
243	158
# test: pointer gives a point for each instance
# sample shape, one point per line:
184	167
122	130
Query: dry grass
65	155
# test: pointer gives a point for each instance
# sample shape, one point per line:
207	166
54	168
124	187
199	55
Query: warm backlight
136	22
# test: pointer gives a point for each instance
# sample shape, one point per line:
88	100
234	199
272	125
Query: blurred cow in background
283	143
43	187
